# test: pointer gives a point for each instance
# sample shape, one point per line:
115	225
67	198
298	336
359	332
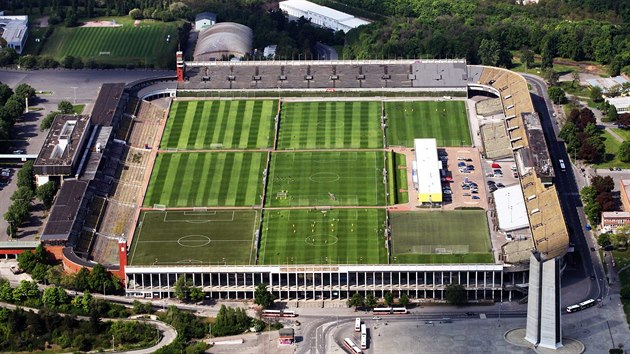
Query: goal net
161	207
200	209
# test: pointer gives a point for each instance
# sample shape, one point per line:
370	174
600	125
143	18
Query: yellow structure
429	185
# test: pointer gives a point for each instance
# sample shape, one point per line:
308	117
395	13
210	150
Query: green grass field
206	179
331	124
398	175
325	178
445	121
337	236
194	237
612	148
142	45
220	125
417	237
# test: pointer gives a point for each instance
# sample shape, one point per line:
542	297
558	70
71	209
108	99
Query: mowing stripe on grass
226	179
444	120
337	236
329	125
326	178
220	124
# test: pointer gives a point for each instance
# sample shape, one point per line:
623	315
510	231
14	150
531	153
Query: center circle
193	241
321	240
324	177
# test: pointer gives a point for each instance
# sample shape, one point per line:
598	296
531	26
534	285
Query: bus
357	324
363	337
399	310
562	166
581	306
278	313
350	346
389	311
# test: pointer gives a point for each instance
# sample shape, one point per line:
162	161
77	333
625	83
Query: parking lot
463	172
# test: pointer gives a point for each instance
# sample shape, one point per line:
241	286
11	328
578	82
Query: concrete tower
544	326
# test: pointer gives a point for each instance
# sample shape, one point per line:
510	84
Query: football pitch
194	237
336	178
206	179
142	45
330	124
336	236
446	121
220	124
459	236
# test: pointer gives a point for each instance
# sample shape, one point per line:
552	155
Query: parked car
490	175
500	185
475	197
465	187
471	167
461	164
466	194
19	151
492	189
490	183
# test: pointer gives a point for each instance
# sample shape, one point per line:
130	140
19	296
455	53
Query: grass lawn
78	108
220	124
331	124
142	45
624	133
325	178
444	120
418	237
337	236
195	237
612	147
206	179
397	178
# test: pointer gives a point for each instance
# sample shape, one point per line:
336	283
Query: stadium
307	183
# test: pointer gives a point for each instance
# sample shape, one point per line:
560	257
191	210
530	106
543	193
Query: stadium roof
225	38
106	103
64	211
307	6
429	185
62	144
511	210
440	73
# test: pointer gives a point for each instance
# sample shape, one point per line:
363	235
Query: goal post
160	207
200	209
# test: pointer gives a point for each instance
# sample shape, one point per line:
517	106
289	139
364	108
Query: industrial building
14	30
321	15
429	169
622	104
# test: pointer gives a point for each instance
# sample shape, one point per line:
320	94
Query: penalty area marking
198	213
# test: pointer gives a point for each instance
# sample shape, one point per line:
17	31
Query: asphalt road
568	192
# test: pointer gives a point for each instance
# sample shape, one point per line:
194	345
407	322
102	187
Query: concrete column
476	285
544	324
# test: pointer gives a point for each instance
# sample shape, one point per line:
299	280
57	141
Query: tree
22	193
81	279
5	93
48	120
25	177
623	120
370	301
596	94
456	294
135	14
65	107
28	61
612	113
17	213
54	296
404	300
262	296
602	184
25	91
624	151
557	95
527	57
196	294
357	300
98	279
389	298
46	193
551	76
26	261
182	287
625	294
489	51
603	240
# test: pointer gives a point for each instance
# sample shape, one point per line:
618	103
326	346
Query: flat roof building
62	148
204	20
611	220
429	184
64	212
14	30
511	210
622	104
108	104
321	15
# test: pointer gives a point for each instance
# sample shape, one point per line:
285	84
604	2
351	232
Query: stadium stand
496	144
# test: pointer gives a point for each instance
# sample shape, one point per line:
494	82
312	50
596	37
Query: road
578	280
325	52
